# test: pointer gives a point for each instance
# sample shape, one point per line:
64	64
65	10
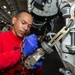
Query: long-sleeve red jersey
10	54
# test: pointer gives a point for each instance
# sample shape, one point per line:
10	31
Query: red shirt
10	53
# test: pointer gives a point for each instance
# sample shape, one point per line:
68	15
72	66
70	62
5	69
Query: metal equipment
46	47
67	34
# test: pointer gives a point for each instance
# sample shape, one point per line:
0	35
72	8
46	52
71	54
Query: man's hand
30	44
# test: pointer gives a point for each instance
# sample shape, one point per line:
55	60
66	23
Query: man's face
22	24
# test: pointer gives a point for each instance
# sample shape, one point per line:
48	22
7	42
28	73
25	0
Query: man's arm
8	59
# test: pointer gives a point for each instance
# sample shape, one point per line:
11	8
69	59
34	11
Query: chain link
22	64
22	59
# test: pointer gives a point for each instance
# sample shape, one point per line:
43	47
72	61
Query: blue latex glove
38	64
30	44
